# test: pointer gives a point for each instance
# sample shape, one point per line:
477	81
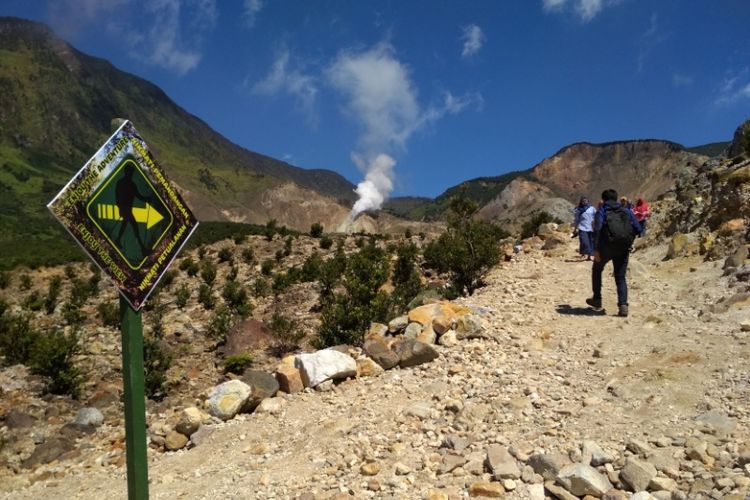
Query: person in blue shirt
583	225
612	241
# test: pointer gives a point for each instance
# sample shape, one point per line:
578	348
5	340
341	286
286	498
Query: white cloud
473	38
381	96
165	33
383	99
585	9
283	78
735	87
680	80
251	10
68	17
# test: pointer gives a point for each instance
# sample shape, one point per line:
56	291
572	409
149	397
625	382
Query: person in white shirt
584	227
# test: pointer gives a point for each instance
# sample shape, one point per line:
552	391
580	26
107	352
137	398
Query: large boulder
381	353
412	352
581	480
326	364
228	398
190	421
289	378
247	336
264	386
89	416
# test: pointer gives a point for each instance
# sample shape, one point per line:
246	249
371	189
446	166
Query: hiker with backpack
615	228
583	227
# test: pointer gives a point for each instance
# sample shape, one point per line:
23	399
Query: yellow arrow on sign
148	215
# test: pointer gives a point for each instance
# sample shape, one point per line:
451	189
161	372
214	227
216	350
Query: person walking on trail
583	227
615	228
642	213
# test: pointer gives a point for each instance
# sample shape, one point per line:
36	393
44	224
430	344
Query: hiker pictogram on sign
129	213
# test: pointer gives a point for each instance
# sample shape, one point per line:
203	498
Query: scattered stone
421	410
398	324
442	324
175	441
723	425
190	420
366	367
413	352
448	339
370	469
201	435
48	451
226	399
665	484
264	386
548	465
424	314
637	474
89	416
593	455
469	327
290	379
501	463
381	354
413	330
581	479
485	489
16	419
450	462
558	491
326	364
271	406
638	447
456	443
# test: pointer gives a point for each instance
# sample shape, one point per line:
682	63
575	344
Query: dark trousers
620	261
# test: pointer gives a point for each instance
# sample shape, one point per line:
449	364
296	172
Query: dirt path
552	375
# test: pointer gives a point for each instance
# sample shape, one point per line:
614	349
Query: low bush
326	242
52	357
219	324
225	254
182	296
238	363
53	292
316	230
286	332
208	272
206	296
109	314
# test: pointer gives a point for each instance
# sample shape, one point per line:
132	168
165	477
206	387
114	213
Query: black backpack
619	229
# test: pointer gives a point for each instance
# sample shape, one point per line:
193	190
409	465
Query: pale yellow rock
485	489
424	314
732	226
370	469
366	367
289	378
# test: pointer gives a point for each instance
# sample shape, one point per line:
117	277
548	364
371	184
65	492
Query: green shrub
326	242
202	250
288	246
109	314
311	268
70	272
316	230
208	272
467	249
235	297
270	229
286	332
248	256
34	301
156	362
206	296
72	313
189	266
405	276
25	283
182	296
167	279
4	279
219	324
53	292
16	338
261	288
346	315
94	279
238	363
266	267
232	273
330	273
225	254
51	356
279	256
531	226
239	238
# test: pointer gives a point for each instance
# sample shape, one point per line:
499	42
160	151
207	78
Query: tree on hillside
346	314
467	249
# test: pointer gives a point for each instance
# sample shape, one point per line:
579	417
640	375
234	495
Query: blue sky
422	95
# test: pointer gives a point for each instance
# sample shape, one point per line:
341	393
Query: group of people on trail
606	233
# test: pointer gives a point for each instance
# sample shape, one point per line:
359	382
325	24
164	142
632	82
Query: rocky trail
657	401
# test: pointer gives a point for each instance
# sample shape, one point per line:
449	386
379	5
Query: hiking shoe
622	310
595	303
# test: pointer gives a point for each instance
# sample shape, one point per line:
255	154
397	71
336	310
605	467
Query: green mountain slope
56	105
712	149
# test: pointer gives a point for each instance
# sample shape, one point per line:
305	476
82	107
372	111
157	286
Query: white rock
271	406
226	399
327	364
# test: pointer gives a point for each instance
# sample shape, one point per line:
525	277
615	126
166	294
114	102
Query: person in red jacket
641	212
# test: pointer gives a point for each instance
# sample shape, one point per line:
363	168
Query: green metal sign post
123	211
135	407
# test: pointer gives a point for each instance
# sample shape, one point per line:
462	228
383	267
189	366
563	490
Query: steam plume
376	186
